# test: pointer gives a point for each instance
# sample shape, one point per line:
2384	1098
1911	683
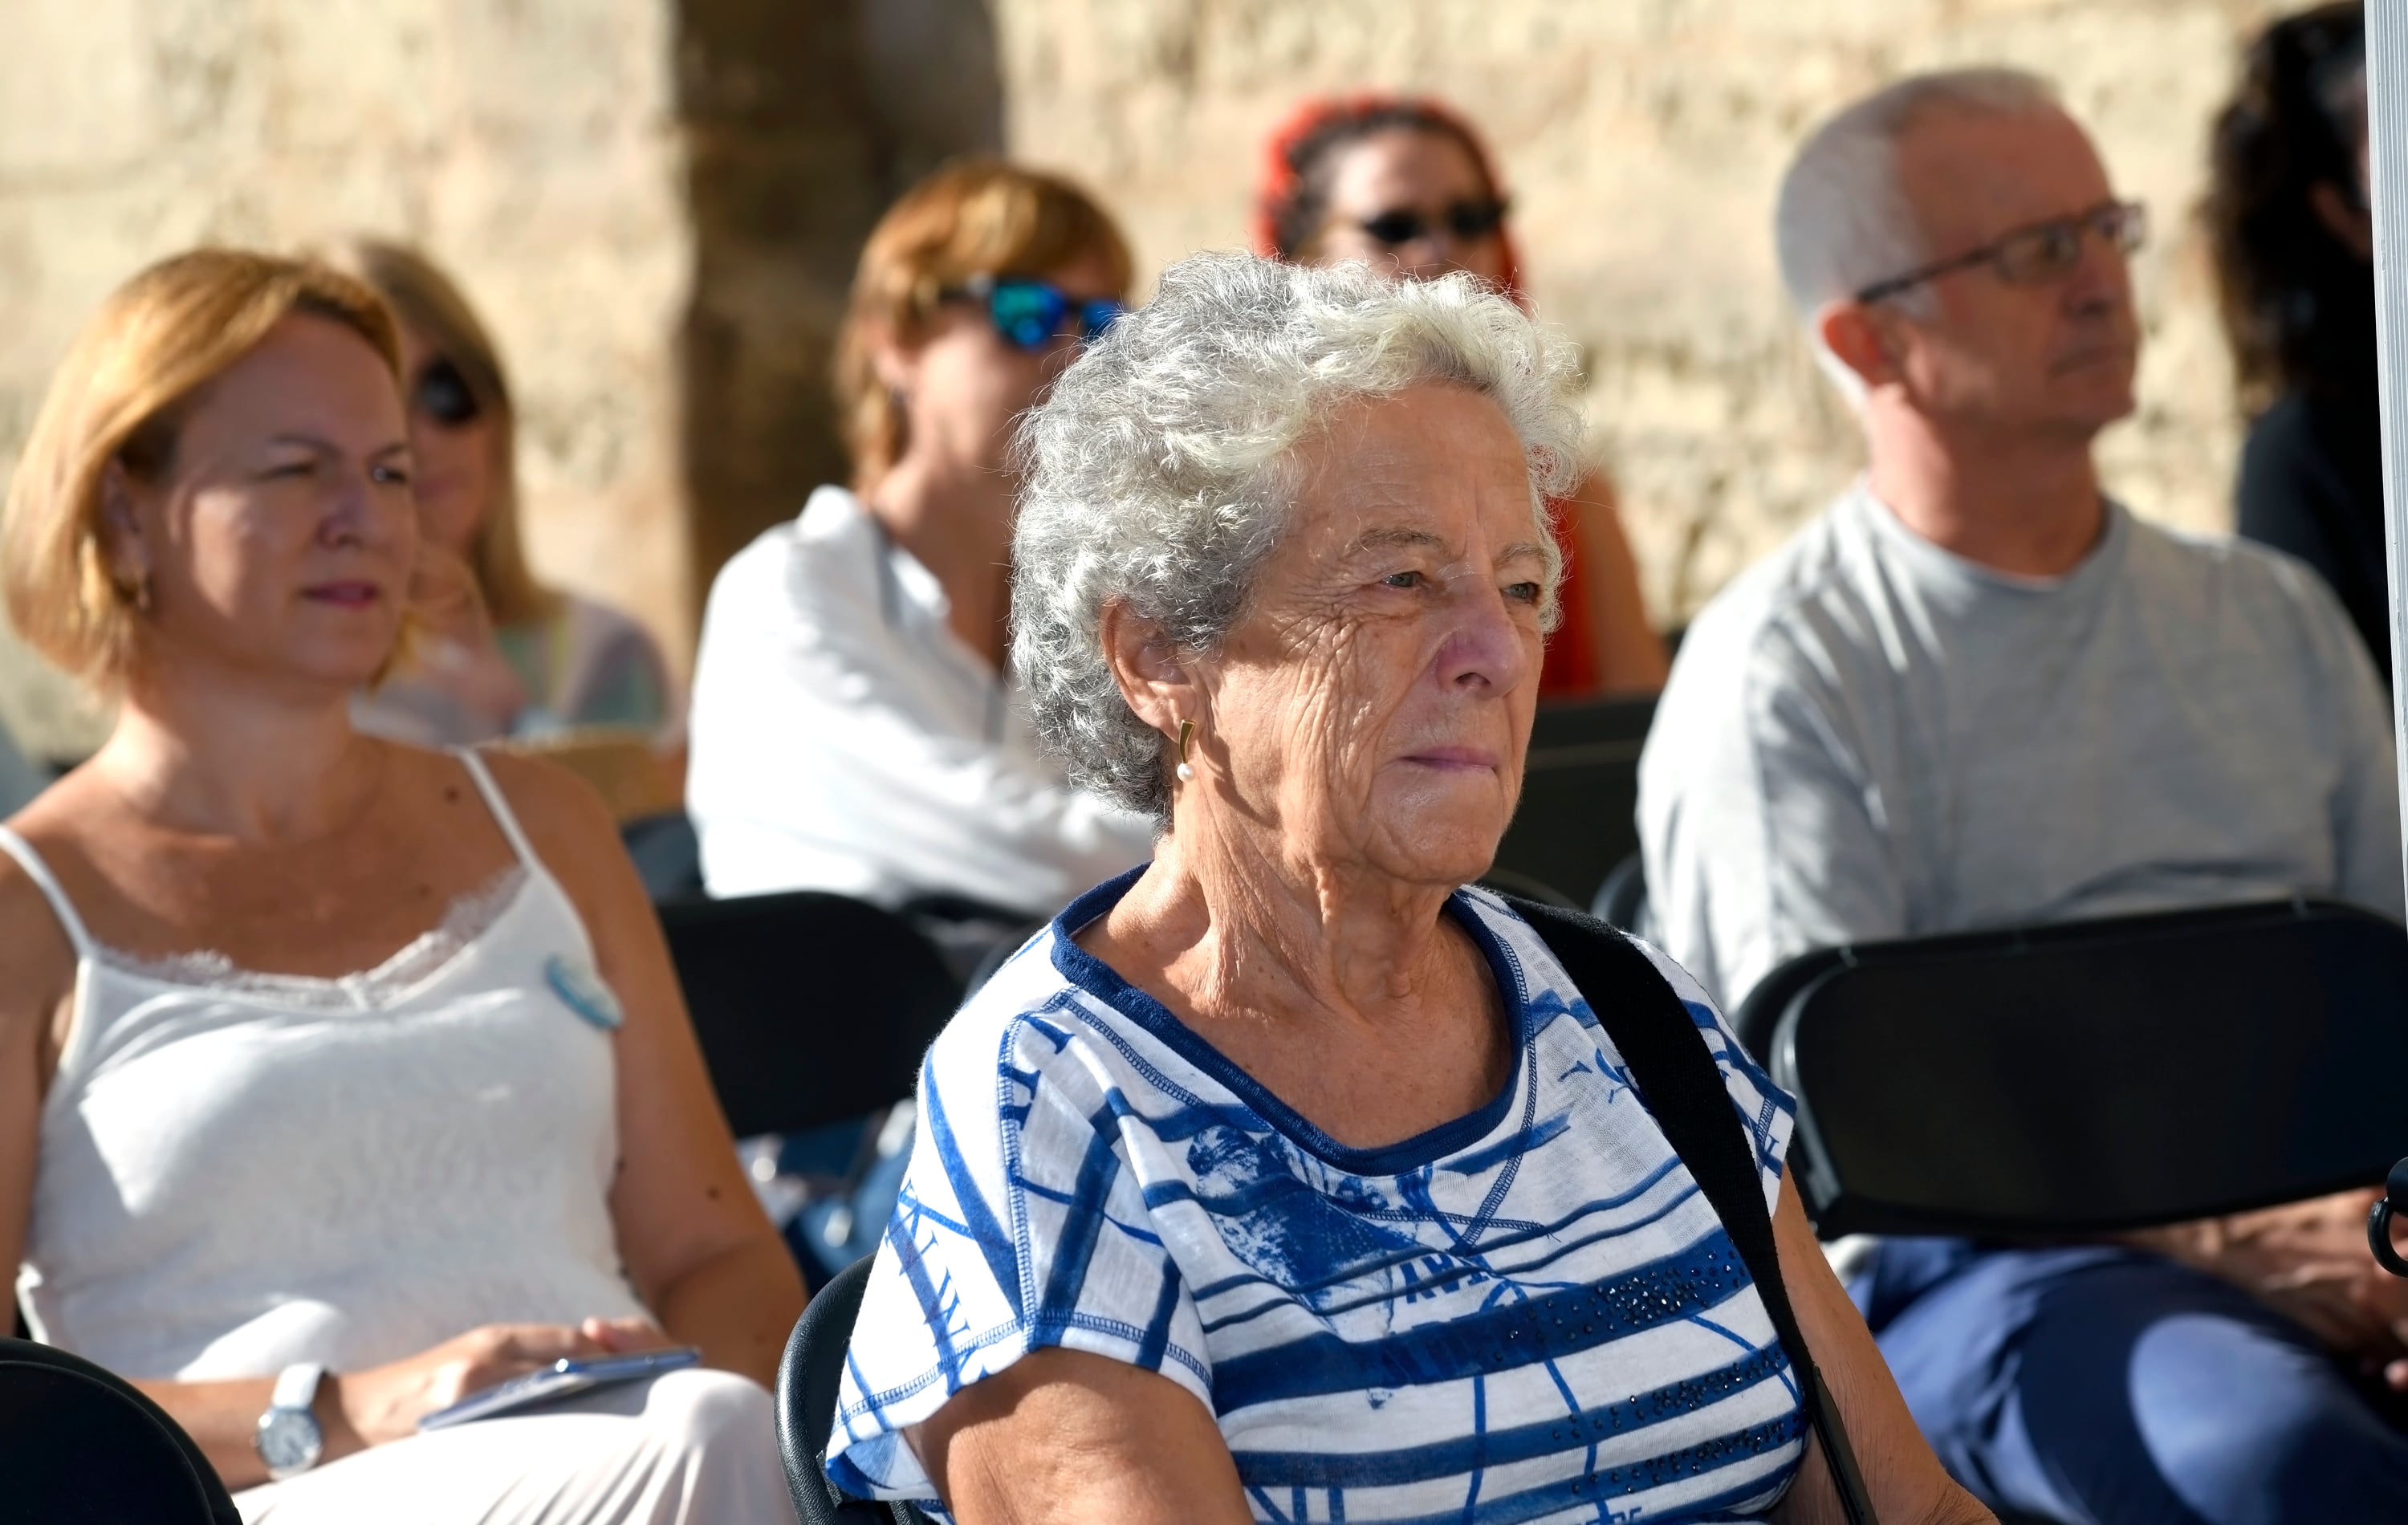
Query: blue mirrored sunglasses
1032	314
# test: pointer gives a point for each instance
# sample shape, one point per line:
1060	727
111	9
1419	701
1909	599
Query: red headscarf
1281	182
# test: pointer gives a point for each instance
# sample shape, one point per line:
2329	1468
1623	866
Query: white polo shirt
845	738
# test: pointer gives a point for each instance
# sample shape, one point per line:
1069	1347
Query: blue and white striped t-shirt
1529	1314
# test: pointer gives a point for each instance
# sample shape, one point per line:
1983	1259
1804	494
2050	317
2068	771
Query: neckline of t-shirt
1100	980
1939	558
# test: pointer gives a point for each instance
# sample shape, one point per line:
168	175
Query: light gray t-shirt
1867	736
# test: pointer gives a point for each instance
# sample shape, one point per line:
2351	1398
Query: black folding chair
2040	1083
1580	797
809	1008
79	1444
808	1378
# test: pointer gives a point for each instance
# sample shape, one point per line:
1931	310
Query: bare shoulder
37	959
571	832
561	813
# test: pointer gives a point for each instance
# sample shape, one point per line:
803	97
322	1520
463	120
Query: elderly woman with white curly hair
1286	1178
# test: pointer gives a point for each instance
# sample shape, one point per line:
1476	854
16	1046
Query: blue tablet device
560	1378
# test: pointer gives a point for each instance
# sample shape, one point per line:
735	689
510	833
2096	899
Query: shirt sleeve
1762	826
1020	1227
818	761
2366	804
1768	1113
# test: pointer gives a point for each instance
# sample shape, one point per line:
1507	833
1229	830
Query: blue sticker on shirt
582	990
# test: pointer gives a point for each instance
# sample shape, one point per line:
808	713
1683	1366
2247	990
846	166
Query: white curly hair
1159	471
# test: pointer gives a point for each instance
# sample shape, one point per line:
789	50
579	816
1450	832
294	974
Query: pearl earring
1186	730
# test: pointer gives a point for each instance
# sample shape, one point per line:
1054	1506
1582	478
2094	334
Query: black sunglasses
442	393
2034	256
1466	221
1032	314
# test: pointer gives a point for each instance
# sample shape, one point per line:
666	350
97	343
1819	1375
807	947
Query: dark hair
2298	305
1294	200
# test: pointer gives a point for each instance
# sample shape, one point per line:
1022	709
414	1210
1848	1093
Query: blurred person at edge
520	658
856	724
303	1187
1978	692
2292	230
1407	185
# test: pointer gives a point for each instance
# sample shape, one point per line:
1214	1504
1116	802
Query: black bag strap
1677	1078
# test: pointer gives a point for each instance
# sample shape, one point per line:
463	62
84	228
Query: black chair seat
1580	794
79	1444
808	1379
809	1008
2090	1076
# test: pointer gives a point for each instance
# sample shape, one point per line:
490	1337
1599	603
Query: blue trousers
2096	1385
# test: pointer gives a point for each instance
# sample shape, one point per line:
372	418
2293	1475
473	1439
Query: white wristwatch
288	1438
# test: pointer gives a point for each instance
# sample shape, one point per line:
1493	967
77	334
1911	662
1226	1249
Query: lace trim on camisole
464	922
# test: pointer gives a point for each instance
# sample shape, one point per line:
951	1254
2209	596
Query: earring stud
1186	730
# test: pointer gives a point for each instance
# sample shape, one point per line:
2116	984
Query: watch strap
296	1385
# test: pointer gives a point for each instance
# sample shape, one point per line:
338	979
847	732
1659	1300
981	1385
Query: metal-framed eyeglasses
2033	255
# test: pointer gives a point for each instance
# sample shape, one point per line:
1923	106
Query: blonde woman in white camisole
337	1078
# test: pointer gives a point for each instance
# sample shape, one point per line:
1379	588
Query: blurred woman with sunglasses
2293	232
1406	184
520	657
854	727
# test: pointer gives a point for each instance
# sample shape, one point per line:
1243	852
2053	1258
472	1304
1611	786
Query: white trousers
691	1447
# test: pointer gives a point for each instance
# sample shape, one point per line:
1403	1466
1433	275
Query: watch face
289	1440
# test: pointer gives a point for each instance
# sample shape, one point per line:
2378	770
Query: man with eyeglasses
1977	691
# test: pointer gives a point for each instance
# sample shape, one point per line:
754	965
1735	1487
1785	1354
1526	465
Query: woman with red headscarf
1406	182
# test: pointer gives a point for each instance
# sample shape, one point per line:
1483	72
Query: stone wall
528	145
657	204
1643	140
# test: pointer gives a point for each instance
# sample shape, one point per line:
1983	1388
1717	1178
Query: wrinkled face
2055	357
1371	708
278	539
964	383
1407	169
455	463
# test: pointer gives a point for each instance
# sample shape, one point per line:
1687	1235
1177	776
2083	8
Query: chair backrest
1578	817
808	1380
1622	899
623	763
809	1008
2094	1075
79	1444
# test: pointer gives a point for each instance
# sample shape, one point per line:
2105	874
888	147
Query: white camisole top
240	1170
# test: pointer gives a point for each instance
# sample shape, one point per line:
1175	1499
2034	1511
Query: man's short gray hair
1843	224
1160	471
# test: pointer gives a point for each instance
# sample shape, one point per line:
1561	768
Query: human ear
894	361
1858	339
1156	680
123	548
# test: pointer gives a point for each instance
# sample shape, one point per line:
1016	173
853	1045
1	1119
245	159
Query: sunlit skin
455	463
949	499
1406	169
1980	416
1359	752
1359	747
280	545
